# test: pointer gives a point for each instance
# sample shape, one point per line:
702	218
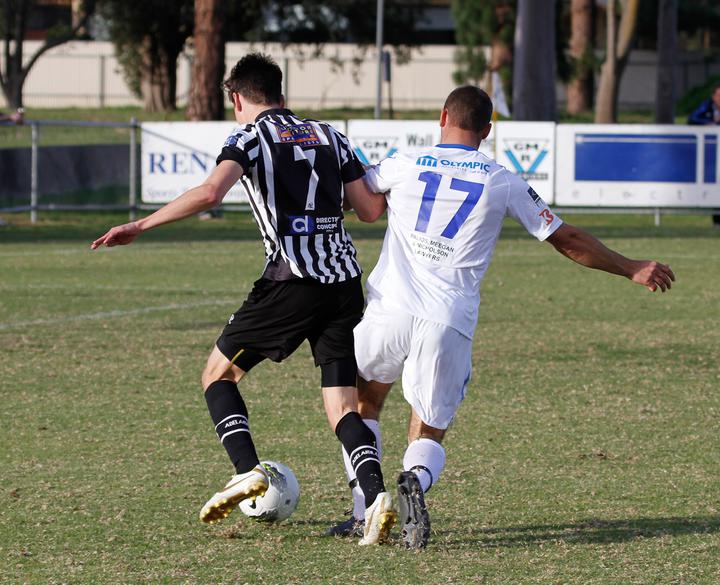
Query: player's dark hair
469	108
257	78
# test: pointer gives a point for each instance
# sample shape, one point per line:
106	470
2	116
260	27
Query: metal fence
37	176
23	176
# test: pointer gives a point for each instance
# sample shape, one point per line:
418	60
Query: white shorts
437	360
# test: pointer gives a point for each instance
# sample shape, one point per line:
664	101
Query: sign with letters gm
528	150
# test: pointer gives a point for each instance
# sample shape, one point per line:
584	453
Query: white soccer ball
280	499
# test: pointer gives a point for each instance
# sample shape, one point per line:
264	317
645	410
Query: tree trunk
17	68
206	96
667	47
534	61
13	77
617	56
501	53
580	88
158	77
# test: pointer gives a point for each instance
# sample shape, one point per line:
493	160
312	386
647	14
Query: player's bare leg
341	403
371	396
423	462
219	381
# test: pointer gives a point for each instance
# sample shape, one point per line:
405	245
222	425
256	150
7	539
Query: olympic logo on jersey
427	161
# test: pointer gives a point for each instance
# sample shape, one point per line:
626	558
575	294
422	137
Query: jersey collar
278	111
463	146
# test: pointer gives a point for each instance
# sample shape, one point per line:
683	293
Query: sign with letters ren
177	156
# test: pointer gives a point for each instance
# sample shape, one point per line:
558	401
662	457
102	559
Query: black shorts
279	315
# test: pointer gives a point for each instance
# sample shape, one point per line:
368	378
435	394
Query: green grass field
586	451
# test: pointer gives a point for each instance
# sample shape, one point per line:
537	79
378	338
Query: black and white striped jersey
298	169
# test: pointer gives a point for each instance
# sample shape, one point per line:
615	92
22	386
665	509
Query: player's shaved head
469	108
257	78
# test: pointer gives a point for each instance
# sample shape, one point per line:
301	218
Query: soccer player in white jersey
446	206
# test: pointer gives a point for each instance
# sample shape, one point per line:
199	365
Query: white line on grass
662	256
171	249
74	286
111	314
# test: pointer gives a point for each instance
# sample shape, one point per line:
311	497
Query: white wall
86	74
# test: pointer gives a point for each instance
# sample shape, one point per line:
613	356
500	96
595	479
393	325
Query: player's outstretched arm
196	200
368	206
585	249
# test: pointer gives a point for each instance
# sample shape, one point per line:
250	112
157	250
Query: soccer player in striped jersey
302	171
446	205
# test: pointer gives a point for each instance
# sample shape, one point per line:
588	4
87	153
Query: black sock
230	415
359	442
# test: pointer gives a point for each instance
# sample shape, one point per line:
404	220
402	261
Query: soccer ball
280	499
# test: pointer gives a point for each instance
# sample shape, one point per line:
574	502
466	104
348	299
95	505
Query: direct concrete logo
301	225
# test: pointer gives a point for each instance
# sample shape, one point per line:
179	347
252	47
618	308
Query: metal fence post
657	217
286	77
132	195
34	173
101	96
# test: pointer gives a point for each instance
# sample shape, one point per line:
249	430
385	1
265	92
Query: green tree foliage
148	38
474	27
479	24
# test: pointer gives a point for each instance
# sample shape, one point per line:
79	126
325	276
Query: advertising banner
637	166
528	150
177	156
375	140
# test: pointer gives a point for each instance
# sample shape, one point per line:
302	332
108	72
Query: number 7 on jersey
432	184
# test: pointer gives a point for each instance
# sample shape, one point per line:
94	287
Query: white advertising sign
374	140
637	166
177	156
528	150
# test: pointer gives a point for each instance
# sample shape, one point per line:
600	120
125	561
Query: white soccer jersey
446	206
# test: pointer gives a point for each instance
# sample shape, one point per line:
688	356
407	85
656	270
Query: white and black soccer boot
252	484
414	517
379	519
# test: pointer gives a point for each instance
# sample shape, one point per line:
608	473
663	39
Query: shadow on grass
239	226
591	531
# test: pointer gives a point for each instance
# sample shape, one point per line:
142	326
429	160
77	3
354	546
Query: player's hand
653	275
120	235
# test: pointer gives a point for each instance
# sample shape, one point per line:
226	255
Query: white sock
358	496
426	458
